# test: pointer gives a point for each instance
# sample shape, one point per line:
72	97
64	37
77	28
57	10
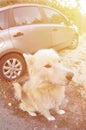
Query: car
26	28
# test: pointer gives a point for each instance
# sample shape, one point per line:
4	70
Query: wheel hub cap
12	68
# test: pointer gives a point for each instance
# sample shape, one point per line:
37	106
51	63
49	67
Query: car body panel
32	37
62	34
5	40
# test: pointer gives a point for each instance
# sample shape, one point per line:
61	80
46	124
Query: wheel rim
12	68
74	42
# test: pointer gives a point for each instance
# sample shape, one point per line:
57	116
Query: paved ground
12	118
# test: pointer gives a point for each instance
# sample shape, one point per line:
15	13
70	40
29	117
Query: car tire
74	42
12	66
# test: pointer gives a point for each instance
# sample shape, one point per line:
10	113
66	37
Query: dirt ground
12	118
76	60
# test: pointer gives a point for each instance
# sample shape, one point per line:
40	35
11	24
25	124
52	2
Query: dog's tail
18	90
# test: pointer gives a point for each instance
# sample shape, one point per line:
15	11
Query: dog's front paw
61	112
32	113
22	107
51	118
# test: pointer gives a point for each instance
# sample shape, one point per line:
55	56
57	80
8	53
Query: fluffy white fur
45	88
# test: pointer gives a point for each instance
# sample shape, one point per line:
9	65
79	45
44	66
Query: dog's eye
59	61
47	66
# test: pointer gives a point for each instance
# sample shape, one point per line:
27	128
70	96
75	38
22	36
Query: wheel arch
10	51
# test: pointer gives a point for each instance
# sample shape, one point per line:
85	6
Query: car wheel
12	66
74	42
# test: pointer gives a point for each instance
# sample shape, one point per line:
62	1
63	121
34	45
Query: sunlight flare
83	6
67	3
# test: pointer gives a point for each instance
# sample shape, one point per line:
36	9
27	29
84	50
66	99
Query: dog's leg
32	113
47	114
23	107
17	89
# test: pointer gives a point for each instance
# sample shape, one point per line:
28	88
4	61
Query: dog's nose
69	76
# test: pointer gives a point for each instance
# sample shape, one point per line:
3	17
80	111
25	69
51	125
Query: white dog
45	88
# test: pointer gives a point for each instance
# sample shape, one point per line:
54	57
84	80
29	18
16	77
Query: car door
29	33
5	40
61	32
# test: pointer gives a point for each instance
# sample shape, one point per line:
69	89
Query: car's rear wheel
12	66
74	42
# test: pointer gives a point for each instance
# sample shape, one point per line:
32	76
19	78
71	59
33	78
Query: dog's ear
30	63
29	59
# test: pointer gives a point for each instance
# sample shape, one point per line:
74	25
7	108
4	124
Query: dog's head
46	65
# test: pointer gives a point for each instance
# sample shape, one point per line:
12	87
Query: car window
27	15
3	23
54	17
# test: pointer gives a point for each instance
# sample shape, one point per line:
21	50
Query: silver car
26	28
